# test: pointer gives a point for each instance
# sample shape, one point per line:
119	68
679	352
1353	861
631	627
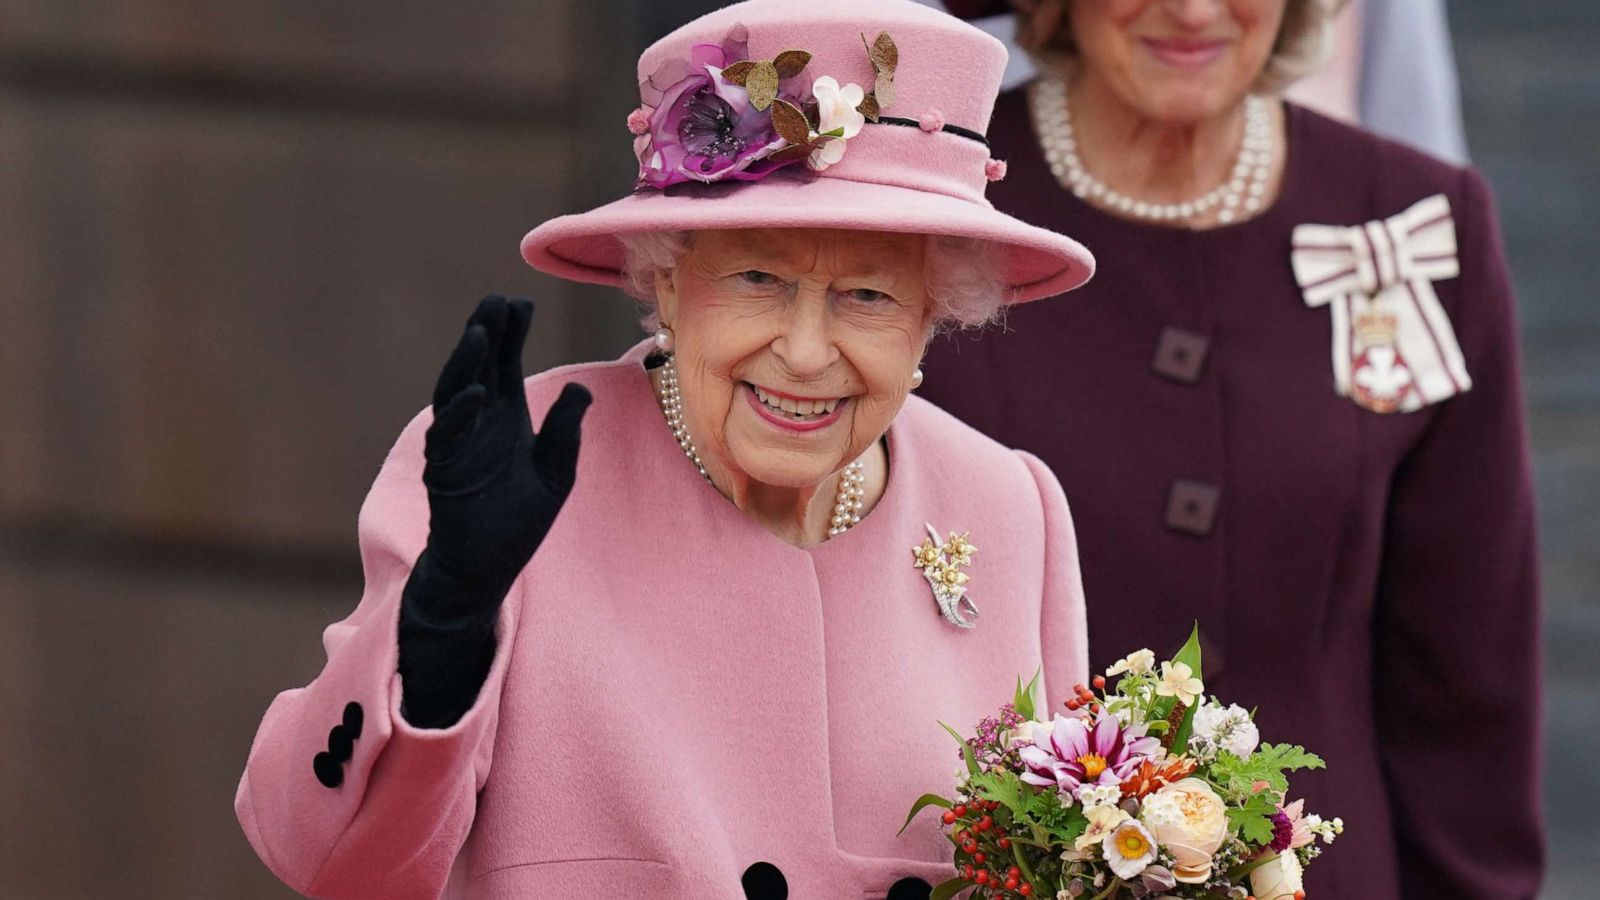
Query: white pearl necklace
848	503
1245	189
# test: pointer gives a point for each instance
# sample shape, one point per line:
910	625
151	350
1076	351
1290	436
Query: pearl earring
916	379
663	338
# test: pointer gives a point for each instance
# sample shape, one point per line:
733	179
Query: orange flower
1152	776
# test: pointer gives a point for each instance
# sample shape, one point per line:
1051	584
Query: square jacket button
1180	355
1192	506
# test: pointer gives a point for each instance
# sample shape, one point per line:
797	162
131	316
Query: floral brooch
721	116
941	562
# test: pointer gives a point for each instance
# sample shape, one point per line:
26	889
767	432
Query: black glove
494	490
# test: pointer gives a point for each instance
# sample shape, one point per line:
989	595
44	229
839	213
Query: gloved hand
494	490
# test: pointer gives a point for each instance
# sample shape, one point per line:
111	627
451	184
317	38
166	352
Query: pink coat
677	694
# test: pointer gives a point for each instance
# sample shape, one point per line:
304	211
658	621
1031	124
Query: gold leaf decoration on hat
885	58
789	63
762	84
738	72
794	126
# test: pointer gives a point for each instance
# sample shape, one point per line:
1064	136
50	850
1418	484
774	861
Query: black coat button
339	744
329	771
909	889
764	881
1180	355
353	719
1192	506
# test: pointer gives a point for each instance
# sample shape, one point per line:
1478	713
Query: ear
666	296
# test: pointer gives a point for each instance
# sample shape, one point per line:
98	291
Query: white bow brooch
1393	347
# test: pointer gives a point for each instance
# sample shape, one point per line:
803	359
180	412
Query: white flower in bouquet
1026	732
1227	729
1280	879
1325	830
1191	822
1178	680
1139	662
1094	796
1102	821
1128	849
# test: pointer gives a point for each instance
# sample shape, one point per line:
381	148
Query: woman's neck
1155	161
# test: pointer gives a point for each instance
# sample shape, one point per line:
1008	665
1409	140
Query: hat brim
584	247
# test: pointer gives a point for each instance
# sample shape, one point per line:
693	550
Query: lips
793	413
1185	53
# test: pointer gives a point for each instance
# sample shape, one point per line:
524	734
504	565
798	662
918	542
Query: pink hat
853	114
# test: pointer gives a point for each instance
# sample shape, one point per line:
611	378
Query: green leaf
947	889
1004	788
966	749
923	802
1253	821
1269	763
1023	700
1190	656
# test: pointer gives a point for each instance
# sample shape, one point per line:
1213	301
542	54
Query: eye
756	277
867	295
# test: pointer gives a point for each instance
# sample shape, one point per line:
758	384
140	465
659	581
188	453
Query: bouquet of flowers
1148	789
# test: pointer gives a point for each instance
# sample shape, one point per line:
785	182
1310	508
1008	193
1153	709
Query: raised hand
494	487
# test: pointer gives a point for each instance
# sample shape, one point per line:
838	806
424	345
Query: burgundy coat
1367	580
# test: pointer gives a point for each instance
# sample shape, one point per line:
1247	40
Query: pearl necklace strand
1246	186
848	502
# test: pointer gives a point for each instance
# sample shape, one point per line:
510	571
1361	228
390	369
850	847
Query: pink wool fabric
891	178
677	694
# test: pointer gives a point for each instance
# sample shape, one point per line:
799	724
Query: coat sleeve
1456	674
1063	626
402	800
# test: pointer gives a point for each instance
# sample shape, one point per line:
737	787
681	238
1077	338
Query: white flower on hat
837	117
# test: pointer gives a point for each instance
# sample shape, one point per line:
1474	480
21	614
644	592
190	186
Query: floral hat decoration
850	114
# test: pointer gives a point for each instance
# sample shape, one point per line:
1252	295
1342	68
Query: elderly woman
1289	409
696	657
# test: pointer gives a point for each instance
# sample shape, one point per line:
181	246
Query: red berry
1026	890
1080	688
985	823
949	818
972	848
966	871
960	836
960	810
1005	843
1073	704
1014	872
980	858
1011	884
982	877
1099	682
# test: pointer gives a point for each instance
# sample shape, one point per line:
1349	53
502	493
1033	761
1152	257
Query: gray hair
1305	38
964	276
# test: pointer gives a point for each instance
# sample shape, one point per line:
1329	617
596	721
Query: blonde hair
964	276
1044	30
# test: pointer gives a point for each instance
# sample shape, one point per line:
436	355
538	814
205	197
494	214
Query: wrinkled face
1177	61
795	348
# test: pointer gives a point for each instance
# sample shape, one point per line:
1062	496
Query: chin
1184	104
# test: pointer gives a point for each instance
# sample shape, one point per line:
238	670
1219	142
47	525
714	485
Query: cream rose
1280	879
1191	821
1027	731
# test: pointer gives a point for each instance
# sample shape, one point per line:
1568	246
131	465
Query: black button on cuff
340	747
1180	355
909	889
353	719
329	770
764	881
1192	507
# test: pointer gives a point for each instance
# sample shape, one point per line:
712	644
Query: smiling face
1177	61
795	348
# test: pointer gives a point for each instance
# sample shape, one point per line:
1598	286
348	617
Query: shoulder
950	452
1367	176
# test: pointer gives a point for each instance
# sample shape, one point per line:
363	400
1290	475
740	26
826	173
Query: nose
1195	14
805	345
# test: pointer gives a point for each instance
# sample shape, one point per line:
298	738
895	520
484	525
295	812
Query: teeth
795	407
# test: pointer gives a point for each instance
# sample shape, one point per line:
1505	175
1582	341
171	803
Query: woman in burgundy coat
1289	408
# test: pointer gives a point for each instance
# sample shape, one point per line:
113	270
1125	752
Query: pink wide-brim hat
923	174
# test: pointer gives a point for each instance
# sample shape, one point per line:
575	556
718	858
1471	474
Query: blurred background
238	238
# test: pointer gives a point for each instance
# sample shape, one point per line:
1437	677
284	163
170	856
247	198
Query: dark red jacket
1368	581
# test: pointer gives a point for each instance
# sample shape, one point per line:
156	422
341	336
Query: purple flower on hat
703	127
